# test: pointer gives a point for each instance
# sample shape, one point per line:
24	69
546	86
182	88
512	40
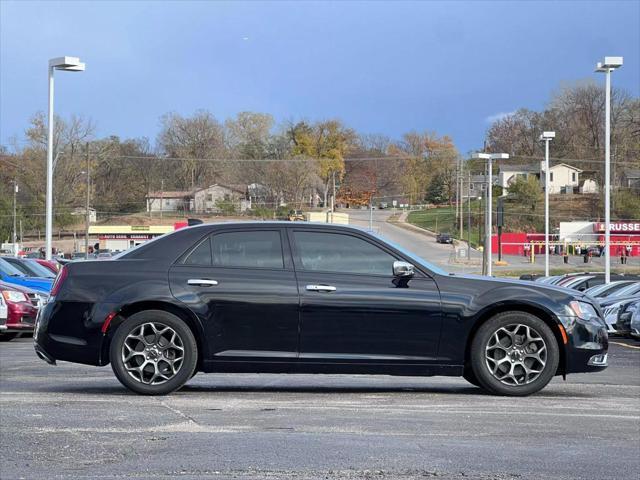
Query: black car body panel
267	319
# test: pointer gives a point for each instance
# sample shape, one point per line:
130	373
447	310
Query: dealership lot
72	421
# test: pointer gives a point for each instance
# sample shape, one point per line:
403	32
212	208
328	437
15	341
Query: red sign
618	227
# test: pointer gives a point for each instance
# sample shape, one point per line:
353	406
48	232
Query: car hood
34	283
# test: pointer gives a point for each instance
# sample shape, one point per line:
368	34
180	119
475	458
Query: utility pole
15	210
458	212
162	196
333	197
469	217
460	201
87	217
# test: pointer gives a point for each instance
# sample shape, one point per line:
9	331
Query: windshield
38	270
7	269
626	291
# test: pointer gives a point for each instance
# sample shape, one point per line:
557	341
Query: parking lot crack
179	413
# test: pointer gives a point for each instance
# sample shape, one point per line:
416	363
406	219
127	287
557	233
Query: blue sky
380	67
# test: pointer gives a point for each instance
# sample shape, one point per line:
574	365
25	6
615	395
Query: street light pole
69	64
546	138
489	157
88	216
606	67
15	209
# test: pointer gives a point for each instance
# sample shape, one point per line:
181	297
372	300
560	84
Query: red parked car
18	311
50	264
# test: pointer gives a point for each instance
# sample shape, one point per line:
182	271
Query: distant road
422	245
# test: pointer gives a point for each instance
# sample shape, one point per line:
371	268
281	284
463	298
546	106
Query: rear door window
248	249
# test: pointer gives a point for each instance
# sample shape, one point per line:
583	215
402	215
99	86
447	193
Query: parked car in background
52	265
444	238
10	274
17	311
296	216
629	320
284	297
613	304
606	289
30	267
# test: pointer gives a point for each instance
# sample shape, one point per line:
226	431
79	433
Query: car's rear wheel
514	353
153	353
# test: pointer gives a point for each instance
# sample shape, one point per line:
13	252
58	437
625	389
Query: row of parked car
25	284
619	299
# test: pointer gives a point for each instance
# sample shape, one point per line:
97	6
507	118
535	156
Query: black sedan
310	298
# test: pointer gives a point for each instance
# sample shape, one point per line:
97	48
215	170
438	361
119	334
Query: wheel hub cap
153	353
516	354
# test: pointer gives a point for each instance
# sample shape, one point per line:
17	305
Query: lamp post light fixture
67	64
489	157
546	137
606	67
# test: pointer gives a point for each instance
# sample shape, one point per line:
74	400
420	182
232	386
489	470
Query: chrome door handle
201	282
321	288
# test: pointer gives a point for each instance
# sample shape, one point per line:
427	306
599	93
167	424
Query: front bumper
587	345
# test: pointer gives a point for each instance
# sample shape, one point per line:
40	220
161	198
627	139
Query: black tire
470	377
141	323
517	323
7	337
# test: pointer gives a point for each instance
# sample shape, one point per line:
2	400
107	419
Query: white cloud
498	116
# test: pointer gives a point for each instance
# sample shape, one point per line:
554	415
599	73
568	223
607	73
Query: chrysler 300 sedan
310	298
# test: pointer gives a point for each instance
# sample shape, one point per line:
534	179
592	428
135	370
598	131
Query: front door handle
321	288
202	282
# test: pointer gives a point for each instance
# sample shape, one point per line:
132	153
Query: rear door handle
202	282
321	288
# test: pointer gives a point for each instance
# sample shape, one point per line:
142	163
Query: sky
380	67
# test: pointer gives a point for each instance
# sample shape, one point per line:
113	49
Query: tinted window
335	252
252	249
201	255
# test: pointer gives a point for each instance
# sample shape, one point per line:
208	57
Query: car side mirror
403	269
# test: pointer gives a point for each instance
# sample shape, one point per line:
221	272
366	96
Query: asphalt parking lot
72	421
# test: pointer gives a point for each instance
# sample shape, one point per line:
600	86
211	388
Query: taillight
57	283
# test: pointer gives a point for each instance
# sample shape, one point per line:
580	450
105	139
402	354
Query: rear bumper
64	331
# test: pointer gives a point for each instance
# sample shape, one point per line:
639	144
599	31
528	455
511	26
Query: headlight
13	296
583	310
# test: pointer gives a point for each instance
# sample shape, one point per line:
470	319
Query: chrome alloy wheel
152	353
516	354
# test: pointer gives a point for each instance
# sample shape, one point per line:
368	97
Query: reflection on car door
242	285
351	311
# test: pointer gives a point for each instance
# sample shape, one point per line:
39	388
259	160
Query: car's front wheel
153	353
514	353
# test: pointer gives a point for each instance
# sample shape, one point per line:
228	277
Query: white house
563	178
169	201
206	199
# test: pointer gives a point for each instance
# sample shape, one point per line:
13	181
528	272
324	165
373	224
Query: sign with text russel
618	227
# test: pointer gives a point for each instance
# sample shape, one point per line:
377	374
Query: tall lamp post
606	67
546	137
489	157
68	64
